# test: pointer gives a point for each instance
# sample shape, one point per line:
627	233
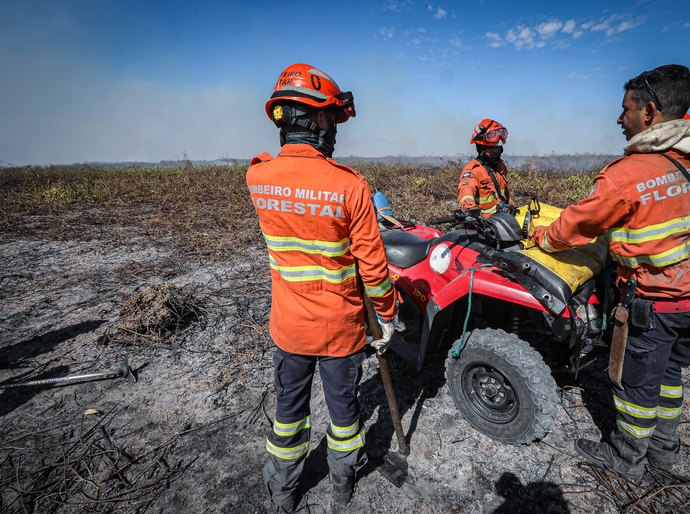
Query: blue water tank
381	204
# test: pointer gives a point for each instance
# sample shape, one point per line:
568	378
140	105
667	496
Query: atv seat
404	249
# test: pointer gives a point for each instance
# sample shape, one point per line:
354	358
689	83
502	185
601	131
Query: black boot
664	444
343	486
604	455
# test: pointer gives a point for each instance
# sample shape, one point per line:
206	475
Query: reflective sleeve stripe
490	210
668	413
311	273
470	197
658	260
345	431
545	244
671	391
650	233
379	290
288	429
287	453
347	445
633	410
635	431
286	244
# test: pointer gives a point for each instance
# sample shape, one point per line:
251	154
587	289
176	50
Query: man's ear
651	113
322	120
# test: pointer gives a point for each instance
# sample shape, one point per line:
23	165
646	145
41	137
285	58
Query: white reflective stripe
650	233
671	391
668	413
286	244
379	290
635	411
345	431
309	92
467	198
288	429
348	445
287	453
658	260
635	431
313	273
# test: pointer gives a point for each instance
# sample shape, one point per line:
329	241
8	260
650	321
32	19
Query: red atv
503	315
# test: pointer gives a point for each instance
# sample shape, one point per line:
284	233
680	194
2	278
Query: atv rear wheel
502	387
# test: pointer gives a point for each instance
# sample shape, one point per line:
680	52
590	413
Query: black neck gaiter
324	142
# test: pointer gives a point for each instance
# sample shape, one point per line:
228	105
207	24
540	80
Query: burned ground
188	436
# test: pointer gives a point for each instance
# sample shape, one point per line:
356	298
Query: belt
670	306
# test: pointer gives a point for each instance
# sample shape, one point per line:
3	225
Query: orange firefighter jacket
476	189
320	228
641	203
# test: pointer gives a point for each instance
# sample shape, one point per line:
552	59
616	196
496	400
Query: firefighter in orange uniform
484	180
320	228
641	204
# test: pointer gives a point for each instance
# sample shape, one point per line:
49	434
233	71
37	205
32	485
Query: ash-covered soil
188	436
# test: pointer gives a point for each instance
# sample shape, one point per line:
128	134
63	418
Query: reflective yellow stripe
545	244
487	199
287	453
313	273
347	445
310	246
490	210
633	410
658	260
344	431
668	413
635	431
650	233
379	290
288	429
671	391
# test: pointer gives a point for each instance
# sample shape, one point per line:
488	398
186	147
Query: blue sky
106	80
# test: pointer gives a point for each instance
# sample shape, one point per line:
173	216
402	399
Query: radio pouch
642	314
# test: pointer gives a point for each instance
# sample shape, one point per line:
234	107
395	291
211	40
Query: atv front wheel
502	387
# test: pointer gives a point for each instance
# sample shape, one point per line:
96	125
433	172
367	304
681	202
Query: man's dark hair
667	86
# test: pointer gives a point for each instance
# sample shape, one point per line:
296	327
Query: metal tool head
394	468
126	371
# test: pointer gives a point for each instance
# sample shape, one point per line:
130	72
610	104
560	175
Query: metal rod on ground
394	467
124	371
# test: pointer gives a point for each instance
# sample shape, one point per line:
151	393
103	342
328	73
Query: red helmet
687	116
303	84
489	133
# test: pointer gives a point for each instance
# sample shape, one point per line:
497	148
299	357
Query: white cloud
495	40
569	27
440	13
549	28
395	5
387	32
552	32
614	24
686	25
458	43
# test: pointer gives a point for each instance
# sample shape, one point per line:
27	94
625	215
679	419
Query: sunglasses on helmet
651	92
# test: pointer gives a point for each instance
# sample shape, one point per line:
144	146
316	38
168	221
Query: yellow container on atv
552	277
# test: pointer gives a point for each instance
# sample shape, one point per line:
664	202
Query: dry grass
205	211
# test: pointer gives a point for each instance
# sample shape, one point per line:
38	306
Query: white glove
381	345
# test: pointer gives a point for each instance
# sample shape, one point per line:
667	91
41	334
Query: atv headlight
440	258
